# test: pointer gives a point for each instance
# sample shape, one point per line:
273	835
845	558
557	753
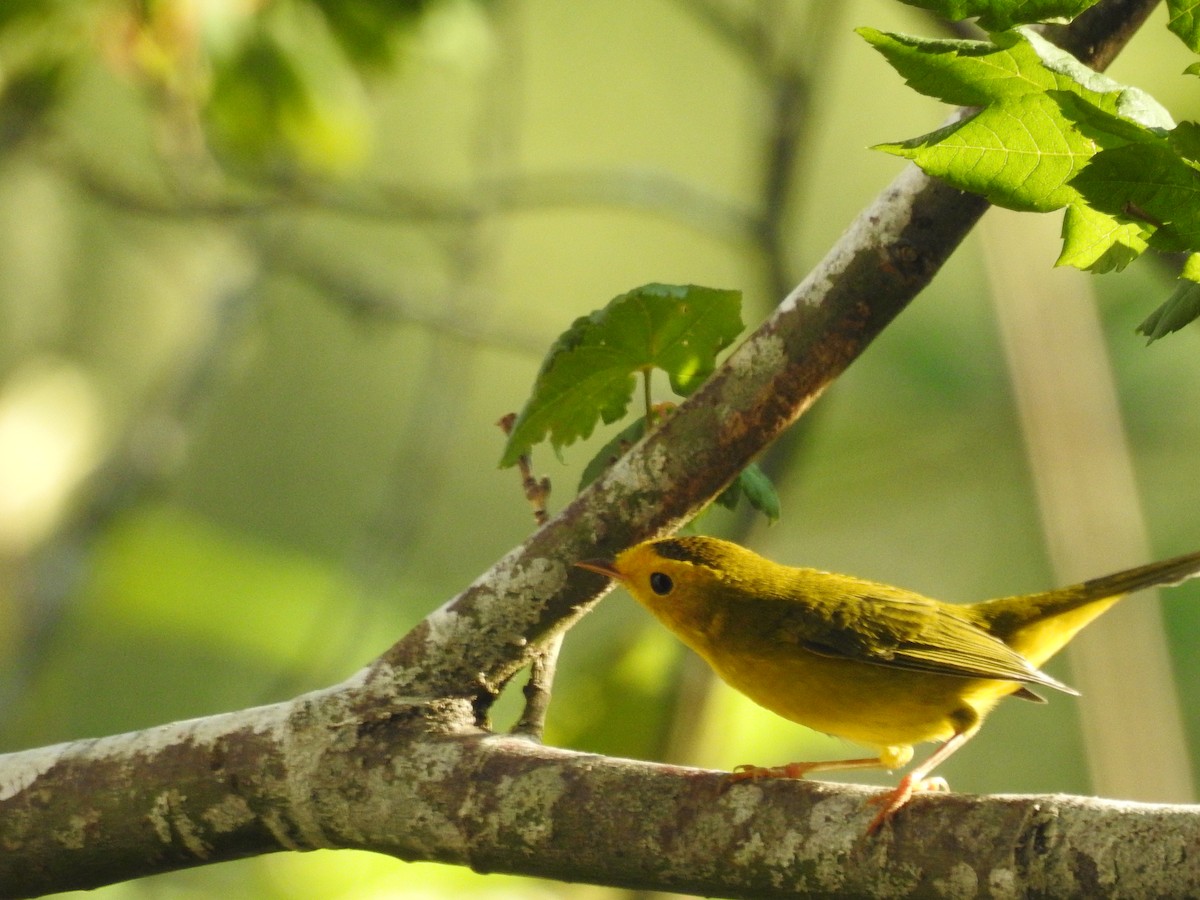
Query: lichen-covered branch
394	760
421	784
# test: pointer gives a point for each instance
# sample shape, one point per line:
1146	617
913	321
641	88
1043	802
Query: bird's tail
1038	625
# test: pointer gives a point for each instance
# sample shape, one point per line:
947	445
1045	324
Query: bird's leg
800	769
889	758
917	780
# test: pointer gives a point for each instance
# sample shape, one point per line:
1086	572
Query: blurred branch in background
1090	509
632	188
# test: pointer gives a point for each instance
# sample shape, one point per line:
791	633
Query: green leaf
1191	268
997	15
1185	22
1150	183
1021	154
1044	116
1185	140
1105	126
753	484
1098	242
978	73
366	29
257	93
1181	308
589	372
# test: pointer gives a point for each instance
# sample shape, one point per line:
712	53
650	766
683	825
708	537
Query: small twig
532	723
646	401
537	491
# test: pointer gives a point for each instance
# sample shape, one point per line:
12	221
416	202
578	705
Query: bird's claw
891	802
754	773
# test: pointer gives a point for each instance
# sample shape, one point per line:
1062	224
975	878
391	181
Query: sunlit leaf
997	15
1150	183
1014	64
588	374
1098	242
1020	154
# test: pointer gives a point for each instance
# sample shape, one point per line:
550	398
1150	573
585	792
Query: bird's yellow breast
865	703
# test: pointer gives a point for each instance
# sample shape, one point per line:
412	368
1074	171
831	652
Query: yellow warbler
876	664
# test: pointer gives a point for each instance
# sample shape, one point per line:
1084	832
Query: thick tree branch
393	760
421	784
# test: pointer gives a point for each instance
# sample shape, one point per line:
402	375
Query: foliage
997	15
278	86
1051	134
590	374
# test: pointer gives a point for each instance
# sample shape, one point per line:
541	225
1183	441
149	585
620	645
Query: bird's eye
661	584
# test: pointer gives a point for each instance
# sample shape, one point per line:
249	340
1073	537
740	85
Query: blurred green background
271	270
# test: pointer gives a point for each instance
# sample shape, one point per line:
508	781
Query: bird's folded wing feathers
907	631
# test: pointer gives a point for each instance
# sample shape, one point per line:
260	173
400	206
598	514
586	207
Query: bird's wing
887	626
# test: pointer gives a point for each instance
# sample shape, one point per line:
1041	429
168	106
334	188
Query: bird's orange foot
893	801
754	773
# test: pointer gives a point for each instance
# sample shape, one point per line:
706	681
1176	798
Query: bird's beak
604	567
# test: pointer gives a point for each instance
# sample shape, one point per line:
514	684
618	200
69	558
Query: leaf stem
646	398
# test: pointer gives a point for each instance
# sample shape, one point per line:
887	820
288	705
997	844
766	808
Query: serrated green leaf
997	15
1185	140
1098	242
1149	183
1044	116
1020	154
1180	309
1103	126
753	484
589	372
965	73
1184	21
978	73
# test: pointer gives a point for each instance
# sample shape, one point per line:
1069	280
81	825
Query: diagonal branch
471	646
892	250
